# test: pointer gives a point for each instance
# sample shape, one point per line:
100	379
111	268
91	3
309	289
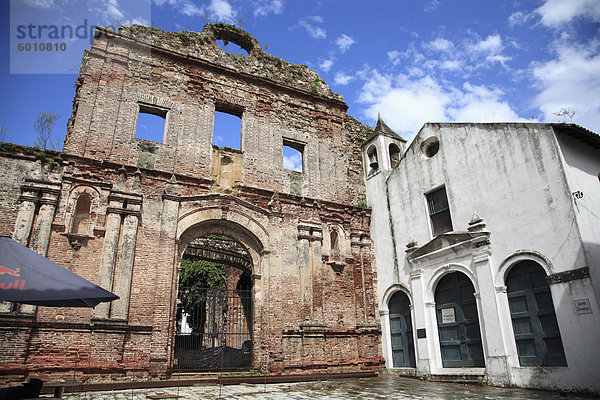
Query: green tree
195	277
43	126
3	133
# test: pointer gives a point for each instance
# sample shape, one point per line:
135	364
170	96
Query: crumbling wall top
258	63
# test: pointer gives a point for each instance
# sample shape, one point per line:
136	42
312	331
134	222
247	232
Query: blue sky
413	61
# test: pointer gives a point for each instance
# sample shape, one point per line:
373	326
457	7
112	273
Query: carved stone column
24	221
43	227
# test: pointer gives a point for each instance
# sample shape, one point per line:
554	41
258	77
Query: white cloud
326	64
221	10
492	44
344	42
311	23
519	18
558	12
137	21
112	10
185	7
404	104
394	57
480	104
451	65
46	4
407	103
342	78
571	81
190	9
440	44
293	162
499	59
265	7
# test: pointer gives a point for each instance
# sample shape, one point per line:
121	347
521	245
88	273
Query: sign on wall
448	316
582	306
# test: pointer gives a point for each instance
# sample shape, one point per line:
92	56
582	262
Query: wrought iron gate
214	330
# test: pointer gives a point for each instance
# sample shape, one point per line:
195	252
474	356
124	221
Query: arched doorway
403	349
214	318
534	320
458	322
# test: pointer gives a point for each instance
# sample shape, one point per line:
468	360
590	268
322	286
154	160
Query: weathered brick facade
315	307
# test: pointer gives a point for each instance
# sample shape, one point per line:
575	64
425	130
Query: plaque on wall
448	316
582	306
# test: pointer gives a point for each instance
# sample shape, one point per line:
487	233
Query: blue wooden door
403	351
534	321
458	322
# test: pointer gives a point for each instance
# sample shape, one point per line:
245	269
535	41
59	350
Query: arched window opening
394	155
535	327
81	217
335	245
373	159
231	47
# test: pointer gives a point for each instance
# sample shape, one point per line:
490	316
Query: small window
430	147
439	212
373	159
227	130
293	155
151	123
81	218
394	155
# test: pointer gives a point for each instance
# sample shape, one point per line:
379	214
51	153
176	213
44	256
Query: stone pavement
385	387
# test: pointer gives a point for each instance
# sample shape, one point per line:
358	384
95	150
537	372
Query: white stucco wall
582	169
512	176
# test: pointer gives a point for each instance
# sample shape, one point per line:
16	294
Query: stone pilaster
165	277
122	286
107	262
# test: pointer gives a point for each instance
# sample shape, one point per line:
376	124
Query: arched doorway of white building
458	322
535	327
401	333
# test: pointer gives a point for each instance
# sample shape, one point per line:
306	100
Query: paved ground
386	387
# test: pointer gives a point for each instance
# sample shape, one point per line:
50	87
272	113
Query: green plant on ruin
238	58
362	203
194	277
315	85
184	38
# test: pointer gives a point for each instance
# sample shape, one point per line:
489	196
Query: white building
487	237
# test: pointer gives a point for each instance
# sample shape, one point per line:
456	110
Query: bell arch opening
214	307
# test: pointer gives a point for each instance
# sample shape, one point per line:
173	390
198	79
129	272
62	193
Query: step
466	379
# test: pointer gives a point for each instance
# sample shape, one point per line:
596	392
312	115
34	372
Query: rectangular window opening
293	155
151	123
227	130
439	211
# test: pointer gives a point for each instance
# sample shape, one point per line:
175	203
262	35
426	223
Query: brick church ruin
292	248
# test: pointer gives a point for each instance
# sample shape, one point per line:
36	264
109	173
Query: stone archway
214	327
